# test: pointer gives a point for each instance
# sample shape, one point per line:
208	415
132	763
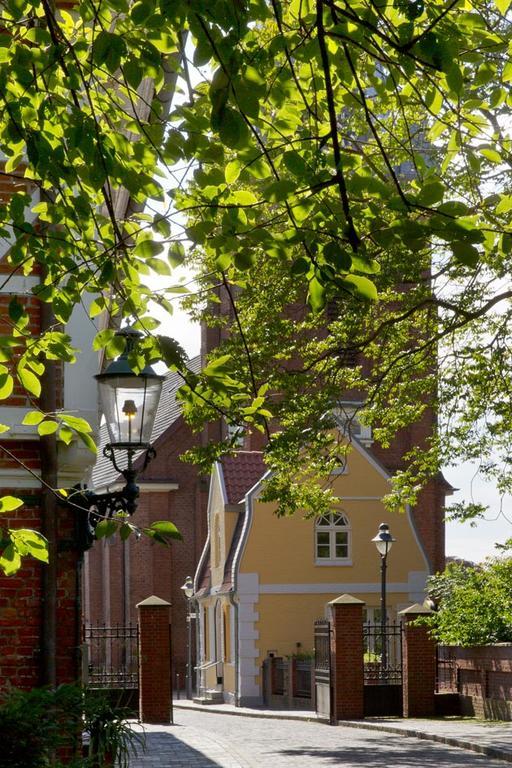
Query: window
346	416
332	539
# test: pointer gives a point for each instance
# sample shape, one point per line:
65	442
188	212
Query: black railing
112	656
382	668
302	678
446	675
322	651
277	677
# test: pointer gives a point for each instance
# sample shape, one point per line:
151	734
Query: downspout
49	528
248	508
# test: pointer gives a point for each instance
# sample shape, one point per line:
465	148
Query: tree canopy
474	603
352	154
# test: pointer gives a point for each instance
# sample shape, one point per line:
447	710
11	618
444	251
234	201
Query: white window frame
332	529
346	417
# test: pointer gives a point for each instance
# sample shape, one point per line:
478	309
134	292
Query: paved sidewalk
224	737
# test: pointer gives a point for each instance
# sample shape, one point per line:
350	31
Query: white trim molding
248	688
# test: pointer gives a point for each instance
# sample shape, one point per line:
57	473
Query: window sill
333	562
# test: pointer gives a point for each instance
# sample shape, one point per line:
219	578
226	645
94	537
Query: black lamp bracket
102	506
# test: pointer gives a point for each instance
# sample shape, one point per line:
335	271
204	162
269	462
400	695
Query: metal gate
382	668
111	657
323	671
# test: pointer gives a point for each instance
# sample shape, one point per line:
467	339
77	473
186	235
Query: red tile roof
241	472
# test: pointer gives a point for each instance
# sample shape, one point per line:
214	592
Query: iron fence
277	678
382	653
302	678
323	651
446	673
112	656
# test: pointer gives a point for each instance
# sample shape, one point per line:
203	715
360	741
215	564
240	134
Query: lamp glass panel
129	405
383	546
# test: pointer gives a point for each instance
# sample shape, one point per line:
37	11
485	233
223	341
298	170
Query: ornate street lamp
188	591
129	403
383	541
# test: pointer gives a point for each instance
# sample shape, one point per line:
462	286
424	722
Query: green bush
475	603
35	724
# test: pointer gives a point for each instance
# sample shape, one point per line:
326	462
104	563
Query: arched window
332	539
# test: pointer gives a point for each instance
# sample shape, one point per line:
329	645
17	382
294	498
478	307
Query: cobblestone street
208	740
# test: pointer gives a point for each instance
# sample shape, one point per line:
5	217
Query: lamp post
383	541
129	402
188	591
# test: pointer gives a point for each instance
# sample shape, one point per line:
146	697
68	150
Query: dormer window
332	539
346	416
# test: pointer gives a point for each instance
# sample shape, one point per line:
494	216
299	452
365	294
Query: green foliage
347	156
34	724
475	603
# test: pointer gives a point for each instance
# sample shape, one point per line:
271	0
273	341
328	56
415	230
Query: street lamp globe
188	587
383	540
128	400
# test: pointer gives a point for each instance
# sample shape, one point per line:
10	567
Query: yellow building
262	581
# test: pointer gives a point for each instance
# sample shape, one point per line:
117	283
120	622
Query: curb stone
499	754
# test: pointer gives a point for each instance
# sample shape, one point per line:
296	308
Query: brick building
39	605
118	575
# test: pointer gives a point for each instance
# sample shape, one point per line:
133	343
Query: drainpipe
49	467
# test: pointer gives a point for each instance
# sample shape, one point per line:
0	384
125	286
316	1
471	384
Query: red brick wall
419	670
21	602
154	569
347	622
484	680
155	702
21	595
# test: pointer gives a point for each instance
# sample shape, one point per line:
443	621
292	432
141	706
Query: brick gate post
348	657
418	664
155	690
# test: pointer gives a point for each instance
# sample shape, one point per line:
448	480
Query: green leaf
148	248
431	193
4	428
455	78
491	154
162	531
33	418
88	442
316	295
102	338
29	381
6	385
244	260
233	131
176	254
295	163
10	503
465	253
363	286
105	528
10	560
28	542
337	256
232	171
48	427
279	190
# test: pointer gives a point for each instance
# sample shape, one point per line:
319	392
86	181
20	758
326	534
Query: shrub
35	726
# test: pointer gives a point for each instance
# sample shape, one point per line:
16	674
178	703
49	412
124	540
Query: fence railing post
348	666
155	688
419	664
